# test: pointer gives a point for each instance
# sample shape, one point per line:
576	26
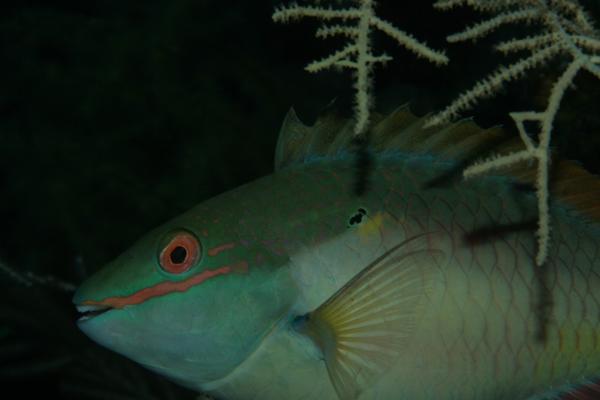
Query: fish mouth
91	311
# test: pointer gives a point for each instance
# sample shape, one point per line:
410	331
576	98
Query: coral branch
566	29
356	23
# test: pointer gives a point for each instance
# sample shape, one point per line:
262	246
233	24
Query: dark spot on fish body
355	220
357	217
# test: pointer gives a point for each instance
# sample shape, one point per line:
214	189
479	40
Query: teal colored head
190	300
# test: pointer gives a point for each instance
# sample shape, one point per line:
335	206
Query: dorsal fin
298	143
570	184
400	131
575	186
461	142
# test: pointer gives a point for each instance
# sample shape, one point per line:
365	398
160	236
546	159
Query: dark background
118	115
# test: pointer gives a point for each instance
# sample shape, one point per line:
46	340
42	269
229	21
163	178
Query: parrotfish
423	287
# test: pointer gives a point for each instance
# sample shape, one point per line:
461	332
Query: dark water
118	115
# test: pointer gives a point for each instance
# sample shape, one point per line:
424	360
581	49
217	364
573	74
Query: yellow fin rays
363	328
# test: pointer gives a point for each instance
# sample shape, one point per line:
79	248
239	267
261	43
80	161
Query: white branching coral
566	31
356	23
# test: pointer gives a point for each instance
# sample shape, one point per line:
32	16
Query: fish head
188	301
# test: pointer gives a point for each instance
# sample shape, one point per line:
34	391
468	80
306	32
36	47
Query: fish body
420	289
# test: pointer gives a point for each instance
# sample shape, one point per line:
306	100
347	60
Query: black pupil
178	255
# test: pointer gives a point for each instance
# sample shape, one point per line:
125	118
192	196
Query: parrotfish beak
88	299
91	311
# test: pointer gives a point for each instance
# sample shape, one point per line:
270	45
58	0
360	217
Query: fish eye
179	253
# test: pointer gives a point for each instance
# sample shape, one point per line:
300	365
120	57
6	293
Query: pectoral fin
365	325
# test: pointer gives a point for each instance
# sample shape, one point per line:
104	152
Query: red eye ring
180	253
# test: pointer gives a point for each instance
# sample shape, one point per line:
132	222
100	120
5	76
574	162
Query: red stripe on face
216	250
164	288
